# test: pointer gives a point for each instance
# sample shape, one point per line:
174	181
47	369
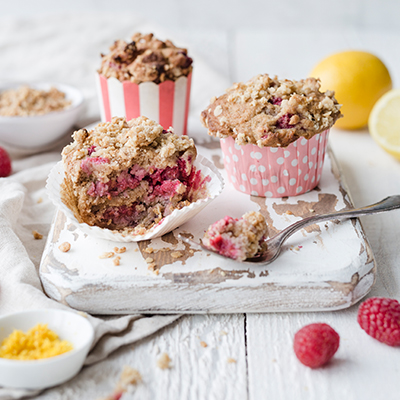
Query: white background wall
228	14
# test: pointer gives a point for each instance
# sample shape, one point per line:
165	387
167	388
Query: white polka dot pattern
277	168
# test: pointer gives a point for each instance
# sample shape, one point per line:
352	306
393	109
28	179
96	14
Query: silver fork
274	244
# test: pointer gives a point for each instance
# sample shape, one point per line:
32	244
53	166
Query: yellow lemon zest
39	342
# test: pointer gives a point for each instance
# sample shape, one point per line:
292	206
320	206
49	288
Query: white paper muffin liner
167	224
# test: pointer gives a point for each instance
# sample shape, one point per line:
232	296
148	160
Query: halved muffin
128	175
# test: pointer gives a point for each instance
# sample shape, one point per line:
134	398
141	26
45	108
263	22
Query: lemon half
359	79
384	122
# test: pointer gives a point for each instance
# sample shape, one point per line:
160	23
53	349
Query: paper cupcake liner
275	171
167	224
166	103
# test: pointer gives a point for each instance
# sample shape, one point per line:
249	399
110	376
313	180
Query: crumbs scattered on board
65	247
296	248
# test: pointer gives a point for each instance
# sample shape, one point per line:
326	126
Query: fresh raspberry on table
315	344
5	163
380	318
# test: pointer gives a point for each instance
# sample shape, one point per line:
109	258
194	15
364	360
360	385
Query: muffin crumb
37	235
176	254
164	362
65	247
116	261
237	238
107	254
151	267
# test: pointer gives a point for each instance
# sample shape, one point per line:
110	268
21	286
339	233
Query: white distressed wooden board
329	266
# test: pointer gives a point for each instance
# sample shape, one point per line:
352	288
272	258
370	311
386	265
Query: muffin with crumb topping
128	175
146	76
273	133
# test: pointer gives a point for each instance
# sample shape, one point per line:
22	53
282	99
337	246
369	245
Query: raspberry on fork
380	318
315	344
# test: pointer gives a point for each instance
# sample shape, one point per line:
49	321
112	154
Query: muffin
237	238
128	175
148	77
273	133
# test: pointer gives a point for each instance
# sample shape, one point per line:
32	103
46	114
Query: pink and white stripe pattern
166	103
275	171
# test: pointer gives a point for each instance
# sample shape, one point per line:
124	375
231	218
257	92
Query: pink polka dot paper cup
275	171
166	103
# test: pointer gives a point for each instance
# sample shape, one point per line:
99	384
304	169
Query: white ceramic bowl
39	131
44	373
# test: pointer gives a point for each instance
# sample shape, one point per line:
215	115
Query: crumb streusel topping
26	101
266	111
145	59
120	142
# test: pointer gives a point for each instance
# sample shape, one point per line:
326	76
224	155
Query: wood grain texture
324	266
208	361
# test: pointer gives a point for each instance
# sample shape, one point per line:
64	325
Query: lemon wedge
384	122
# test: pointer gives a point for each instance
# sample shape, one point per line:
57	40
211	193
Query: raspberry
315	344
5	163
380	318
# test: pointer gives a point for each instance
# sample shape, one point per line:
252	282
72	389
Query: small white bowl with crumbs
42	348
35	115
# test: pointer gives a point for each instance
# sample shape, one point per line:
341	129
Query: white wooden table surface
261	344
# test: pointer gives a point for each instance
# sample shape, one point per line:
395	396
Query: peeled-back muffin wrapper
275	171
166	103
167	224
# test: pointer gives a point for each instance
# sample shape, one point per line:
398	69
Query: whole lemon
359	79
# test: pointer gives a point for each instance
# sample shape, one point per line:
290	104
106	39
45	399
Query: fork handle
387	204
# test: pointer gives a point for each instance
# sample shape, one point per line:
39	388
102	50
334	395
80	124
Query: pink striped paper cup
275	171
166	103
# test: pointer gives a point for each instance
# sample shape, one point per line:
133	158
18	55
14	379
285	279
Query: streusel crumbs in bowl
27	101
34	116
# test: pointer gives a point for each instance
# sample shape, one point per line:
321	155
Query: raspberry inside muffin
128	175
237	238
270	112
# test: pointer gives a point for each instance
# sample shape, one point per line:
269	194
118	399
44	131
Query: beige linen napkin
24	207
